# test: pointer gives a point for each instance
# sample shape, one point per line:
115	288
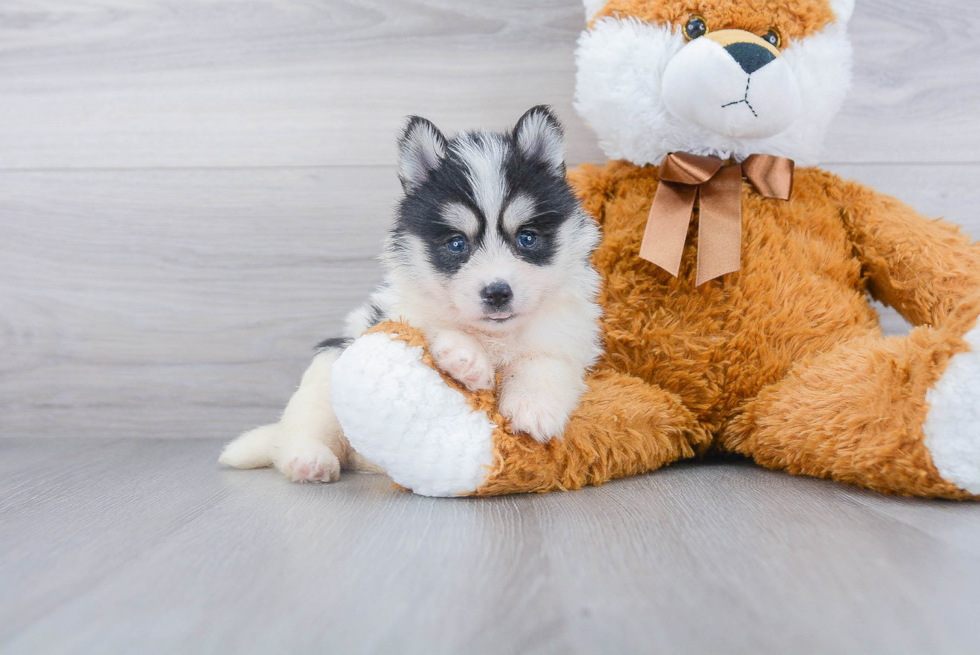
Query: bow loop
684	168
683	177
771	176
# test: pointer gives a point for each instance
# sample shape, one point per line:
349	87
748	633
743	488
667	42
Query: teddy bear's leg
898	415
622	426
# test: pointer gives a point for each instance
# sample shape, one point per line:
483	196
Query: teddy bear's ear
421	148
592	7
843	9
540	138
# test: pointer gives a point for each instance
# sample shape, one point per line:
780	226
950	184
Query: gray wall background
193	192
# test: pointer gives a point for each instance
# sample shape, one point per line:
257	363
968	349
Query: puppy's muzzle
497	295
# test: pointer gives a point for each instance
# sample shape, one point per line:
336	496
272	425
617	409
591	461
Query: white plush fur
843	9
620	90
952	426
424	435
705	86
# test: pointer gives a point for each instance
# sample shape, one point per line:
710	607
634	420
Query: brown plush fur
783	362
793	19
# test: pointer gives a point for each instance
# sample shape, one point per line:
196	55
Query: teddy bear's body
780	355
783	360
799	292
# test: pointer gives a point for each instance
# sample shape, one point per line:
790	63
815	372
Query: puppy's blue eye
457	245
527	239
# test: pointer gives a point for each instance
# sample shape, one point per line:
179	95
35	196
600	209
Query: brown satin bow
682	177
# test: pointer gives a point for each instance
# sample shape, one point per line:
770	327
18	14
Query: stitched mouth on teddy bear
744	100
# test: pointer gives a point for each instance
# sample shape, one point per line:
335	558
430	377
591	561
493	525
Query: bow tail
720	225
666	231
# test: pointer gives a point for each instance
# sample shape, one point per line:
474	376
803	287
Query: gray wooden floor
193	192
126	546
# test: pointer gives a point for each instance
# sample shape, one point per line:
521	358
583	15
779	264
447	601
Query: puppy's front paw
465	361
540	415
308	460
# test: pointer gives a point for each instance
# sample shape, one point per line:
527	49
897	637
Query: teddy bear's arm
435	437
922	267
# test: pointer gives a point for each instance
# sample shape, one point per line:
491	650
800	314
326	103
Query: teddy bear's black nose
750	56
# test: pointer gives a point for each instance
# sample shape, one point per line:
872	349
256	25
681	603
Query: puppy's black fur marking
377	315
340	343
420	210
420	214
334	343
554	201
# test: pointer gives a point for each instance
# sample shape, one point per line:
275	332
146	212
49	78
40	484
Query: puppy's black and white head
488	226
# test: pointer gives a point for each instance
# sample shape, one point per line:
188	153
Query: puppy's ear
421	148
539	137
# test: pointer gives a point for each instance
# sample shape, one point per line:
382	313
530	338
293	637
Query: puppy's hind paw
309	461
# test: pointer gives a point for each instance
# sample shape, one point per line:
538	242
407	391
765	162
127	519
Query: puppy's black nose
750	56
497	294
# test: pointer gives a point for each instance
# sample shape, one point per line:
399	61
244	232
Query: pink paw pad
313	469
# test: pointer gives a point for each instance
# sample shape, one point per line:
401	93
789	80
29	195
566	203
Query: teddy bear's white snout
740	90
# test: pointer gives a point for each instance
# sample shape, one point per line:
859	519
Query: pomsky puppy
489	256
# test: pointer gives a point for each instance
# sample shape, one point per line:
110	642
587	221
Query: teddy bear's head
728	78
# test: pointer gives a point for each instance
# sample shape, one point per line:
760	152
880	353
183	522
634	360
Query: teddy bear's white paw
952	426
457	355
400	414
308	460
540	415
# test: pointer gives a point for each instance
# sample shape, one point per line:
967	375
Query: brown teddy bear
736	298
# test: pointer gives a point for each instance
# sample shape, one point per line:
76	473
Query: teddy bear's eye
772	36
695	28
